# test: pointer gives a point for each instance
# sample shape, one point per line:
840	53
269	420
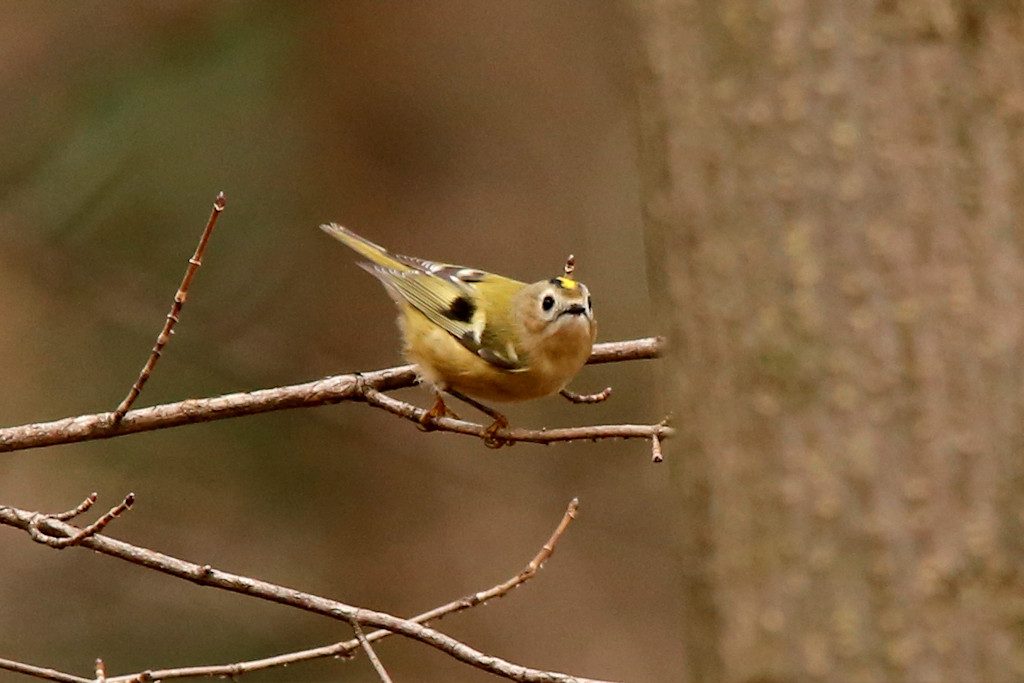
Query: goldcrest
477	334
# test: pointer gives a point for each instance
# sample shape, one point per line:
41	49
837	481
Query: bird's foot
491	437
428	420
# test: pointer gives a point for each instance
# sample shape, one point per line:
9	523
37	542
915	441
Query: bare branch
205	575
634	349
172	318
361	637
40	672
333	389
346	649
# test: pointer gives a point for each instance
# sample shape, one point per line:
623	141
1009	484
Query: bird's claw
428	420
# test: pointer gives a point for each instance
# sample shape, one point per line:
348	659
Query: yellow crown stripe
567	283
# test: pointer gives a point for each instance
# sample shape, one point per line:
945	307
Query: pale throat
569	335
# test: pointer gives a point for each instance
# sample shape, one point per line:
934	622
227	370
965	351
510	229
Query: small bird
476	334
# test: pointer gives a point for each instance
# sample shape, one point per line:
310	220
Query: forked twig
348	648
207	576
61	542
172	318
514	435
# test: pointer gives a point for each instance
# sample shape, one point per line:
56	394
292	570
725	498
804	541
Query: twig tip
599	397
656	454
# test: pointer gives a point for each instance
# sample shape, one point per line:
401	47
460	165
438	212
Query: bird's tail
369	250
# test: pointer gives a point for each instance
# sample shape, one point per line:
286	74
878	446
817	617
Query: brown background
496	136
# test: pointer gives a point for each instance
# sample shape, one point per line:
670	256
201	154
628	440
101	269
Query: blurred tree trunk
834	194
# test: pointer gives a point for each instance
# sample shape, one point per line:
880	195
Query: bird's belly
447	364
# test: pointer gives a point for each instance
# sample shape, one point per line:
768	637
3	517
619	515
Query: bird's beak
575	309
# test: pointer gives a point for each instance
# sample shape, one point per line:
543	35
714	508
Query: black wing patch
461	310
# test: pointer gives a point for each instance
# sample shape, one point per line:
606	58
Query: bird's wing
447	295
454	306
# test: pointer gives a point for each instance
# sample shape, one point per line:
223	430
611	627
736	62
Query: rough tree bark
834	194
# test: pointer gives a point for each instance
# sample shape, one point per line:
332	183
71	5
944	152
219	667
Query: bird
477	335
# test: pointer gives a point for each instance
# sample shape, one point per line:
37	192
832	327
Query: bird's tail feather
369	250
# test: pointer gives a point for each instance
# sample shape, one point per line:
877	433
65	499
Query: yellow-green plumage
482	334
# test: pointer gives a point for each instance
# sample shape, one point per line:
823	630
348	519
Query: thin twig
514	434
320	392
534	565
101	671
60	543
205	575
656	454
83	507
172	318
361	637
599	397
40	672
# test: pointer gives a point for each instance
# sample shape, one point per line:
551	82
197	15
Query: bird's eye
548	303
590	303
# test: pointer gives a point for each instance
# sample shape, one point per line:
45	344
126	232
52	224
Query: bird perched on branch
476	334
